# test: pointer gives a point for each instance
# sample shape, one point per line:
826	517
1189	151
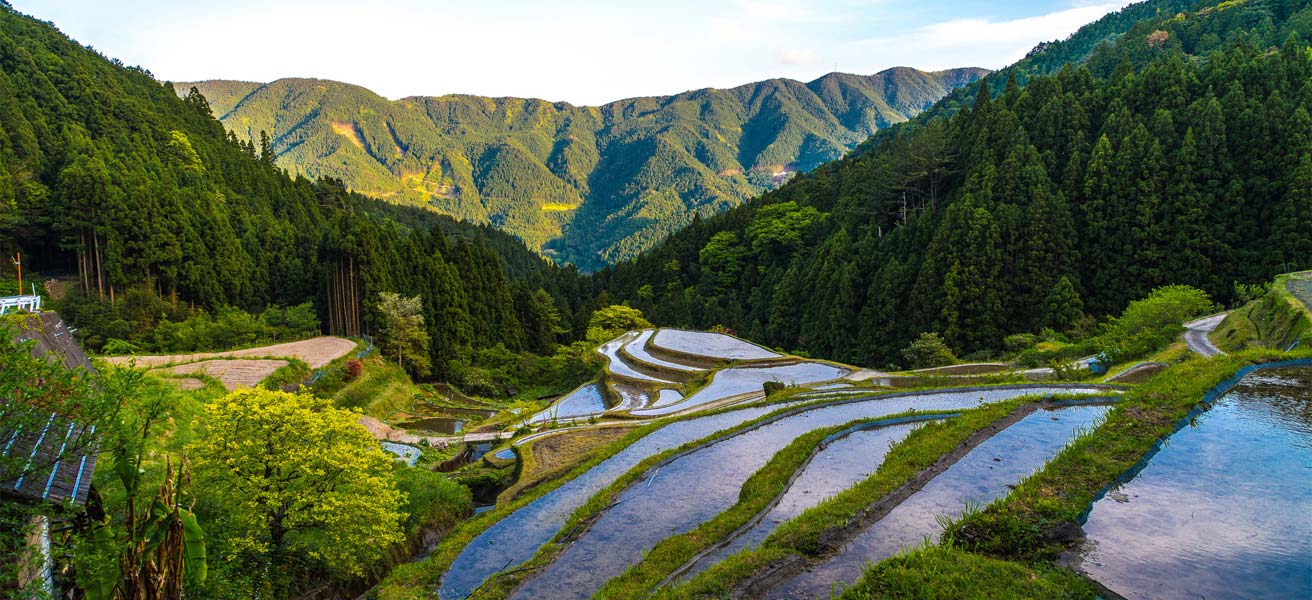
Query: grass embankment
946	572
1037	520
381	390
757	494
416	580
816	531
547	458
1276	320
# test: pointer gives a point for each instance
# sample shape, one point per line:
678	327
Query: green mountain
589	185
142	196
1177	152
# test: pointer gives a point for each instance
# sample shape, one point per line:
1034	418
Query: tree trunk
100	270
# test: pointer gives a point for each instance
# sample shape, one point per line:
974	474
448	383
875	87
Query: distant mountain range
586	185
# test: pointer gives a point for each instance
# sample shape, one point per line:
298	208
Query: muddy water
695	487
517	537
444	425
740	380
837	467
638	348
1224	509
977	479
585	400
714	345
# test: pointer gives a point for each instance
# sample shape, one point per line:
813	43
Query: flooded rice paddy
584	401
693	488
741	380
1224	509
978	478
713	345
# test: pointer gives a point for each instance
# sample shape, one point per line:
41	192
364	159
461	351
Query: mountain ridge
589	185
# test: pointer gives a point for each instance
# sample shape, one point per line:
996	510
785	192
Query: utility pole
18	264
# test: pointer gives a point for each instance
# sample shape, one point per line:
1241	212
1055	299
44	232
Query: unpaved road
316	352
1195	335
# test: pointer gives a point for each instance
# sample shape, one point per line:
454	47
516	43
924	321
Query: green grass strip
945	572
417	580
1035	520
801	536
758	493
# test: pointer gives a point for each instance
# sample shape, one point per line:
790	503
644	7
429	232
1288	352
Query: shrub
353	369
1020	341
928	350
1152	322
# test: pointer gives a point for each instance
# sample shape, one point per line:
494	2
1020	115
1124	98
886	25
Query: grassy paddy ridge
418	580
1014	537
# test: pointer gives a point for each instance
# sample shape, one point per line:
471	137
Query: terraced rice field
1300	285
518	536
975	480
712	345
315	352
1218	504
661	504
233	373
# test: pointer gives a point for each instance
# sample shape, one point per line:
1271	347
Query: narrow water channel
976	479
693	488
1224	509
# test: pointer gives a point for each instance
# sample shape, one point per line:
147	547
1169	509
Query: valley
948	334
589	186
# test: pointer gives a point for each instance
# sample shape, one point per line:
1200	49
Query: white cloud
798	57
582	51
982	41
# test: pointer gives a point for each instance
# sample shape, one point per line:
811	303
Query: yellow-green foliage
297	475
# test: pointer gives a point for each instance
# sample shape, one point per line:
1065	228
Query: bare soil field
315	352
233	373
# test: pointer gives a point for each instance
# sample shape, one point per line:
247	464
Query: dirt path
315	352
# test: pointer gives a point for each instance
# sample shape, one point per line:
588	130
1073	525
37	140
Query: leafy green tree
927	351
613	320
302	481
1062	308
721	260
403	334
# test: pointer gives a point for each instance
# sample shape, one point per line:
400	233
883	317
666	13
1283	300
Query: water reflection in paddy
740	380
1224	510
638	348
586	400
695	487
515	538
977	479
717	345
834	469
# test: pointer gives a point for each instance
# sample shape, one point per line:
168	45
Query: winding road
1195	335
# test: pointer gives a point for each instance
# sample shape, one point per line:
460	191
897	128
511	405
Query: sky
585	52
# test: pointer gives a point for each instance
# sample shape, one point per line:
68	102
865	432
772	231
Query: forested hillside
590	185
1179	152
105	173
